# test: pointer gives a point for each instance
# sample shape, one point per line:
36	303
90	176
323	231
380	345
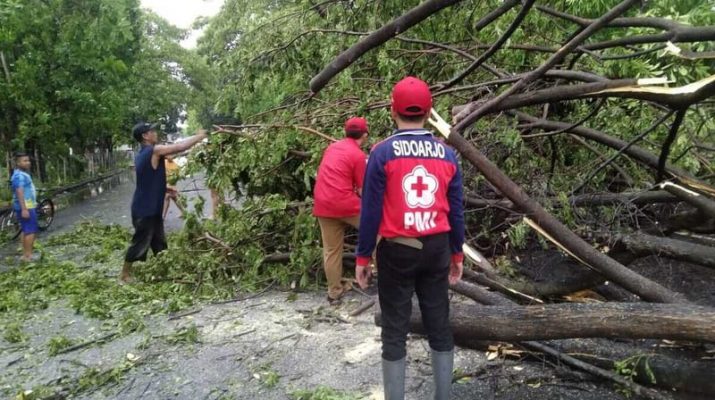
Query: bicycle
10	226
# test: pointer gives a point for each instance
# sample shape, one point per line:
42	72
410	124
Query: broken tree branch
630	143
494	14
550	63
572	361
677	98
668	142
494	47
700	201
478	294
377	38
637	153
675	31
235	129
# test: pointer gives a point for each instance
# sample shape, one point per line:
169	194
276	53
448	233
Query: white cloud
182	13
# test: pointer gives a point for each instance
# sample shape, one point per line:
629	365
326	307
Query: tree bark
568	320
642	244
478	294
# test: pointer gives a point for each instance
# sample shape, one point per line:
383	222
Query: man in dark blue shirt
148	200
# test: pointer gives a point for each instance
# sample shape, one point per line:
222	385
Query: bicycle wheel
9	226
45	214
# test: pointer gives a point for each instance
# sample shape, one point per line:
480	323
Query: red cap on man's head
411	96
356	124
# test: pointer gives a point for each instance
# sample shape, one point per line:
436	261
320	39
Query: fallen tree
563	321
642	244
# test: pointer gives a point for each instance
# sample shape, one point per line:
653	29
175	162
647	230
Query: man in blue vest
412	198
148	200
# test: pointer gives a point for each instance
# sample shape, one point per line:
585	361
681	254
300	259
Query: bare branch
637	153
665	150
494	14
377	38
630	143
550	63
495	47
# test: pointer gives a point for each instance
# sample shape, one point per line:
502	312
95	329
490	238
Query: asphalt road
109	203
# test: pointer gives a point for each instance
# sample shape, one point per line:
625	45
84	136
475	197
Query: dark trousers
405	270
148	233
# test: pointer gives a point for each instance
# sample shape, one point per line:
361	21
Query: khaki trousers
333	232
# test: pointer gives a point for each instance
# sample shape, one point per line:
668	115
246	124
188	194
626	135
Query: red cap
356	124
411	96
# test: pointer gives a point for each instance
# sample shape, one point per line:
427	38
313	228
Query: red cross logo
419	186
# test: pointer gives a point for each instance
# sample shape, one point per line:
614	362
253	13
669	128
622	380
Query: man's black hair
354	134
411	118
20	154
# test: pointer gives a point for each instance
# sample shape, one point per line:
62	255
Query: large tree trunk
643	245
561	321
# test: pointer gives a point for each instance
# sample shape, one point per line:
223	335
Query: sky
183	12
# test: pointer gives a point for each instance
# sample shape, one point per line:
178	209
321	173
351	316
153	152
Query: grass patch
185	335
323	393
57	344
13	333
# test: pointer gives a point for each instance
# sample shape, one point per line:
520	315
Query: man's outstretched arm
169	149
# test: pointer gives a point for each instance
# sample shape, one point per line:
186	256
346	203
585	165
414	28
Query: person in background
24	201
337	191
172	193
413	198
148	201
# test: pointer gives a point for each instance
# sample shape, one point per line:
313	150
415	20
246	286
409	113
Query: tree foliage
80	73
264	53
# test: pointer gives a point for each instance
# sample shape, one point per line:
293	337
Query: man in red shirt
337	191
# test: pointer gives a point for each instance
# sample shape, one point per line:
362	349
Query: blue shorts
28	226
